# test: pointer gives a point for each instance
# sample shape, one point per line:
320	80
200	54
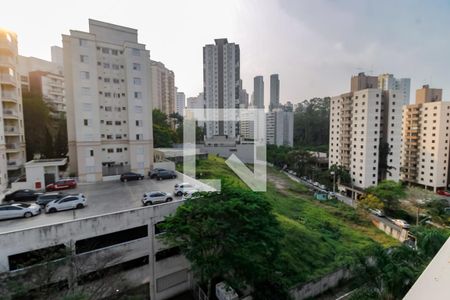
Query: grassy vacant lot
319	236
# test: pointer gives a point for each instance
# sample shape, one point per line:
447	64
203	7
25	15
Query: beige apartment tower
425	150
12	139
109	109
364	122
163	88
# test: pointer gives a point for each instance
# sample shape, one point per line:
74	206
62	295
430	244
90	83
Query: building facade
163	88
181	103
274	91
389	82
258	92
280	127
12	136
221	84
109	107
425	150
364	123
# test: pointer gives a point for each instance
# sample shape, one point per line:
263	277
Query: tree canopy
230	235
389	192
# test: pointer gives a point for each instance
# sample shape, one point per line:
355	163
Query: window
136	66
115	67
108	108
110	150
26	259
105	50
91	153
107	95
138	109
139	123
118	123
139	137
84	75
86	122
137	81
114	52
84	59
83	43
109	122
135	52
137	95
106	79
106	65
119	150
115	80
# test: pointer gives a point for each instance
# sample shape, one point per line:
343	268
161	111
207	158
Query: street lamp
334	181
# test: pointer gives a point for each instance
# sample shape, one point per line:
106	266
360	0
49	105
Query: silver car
156	198
19	210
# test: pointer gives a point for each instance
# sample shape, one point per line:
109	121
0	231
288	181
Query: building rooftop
103	198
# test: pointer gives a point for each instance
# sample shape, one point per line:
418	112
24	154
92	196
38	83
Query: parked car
131	176
152	198
153	173
377	212
316	184
323	187
19	210
65	203
331	195
443	193
46	198
184	187
22	195
401	223
62	184
166	174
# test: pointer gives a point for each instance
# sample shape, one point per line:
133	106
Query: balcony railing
9	112
12	146
8	60
6	78
11	129
9	95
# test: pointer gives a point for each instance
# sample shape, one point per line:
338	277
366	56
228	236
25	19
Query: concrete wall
316	287
397	233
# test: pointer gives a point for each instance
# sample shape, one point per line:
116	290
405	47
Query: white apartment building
44	79
196	103
361	122
389	82
163	88
280	127
12	139
221	81
425	150
181	103
109	107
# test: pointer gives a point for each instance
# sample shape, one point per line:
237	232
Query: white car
377	212
401	223
68	202
184	187
18	210
151	198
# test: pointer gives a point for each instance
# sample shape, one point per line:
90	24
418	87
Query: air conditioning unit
225	292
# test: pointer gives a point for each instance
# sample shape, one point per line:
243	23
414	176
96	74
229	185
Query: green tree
37	123
342	175
61	142
430	240
163	134
230	235
370	202
389	192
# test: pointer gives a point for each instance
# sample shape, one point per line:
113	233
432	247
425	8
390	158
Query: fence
198	293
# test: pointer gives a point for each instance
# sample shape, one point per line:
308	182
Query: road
339	197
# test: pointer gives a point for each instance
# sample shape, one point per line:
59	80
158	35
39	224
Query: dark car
22	195
166	174
43	199
131	176
154	173
62	184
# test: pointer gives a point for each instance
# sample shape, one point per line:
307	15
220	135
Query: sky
314	46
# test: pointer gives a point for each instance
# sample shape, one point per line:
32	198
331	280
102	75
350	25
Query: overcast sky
315	46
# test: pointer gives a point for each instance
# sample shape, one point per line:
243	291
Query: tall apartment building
181	103
244	102
163	88
109	108
12	140
221	84
389	82
44	79
274	91
258	92
364	122
425	150
280	127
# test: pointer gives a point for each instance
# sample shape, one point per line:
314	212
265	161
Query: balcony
10	114
13	165
11	46
7	79
7	61
10	148
11	130
9	97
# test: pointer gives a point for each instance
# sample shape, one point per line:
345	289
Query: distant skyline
315	46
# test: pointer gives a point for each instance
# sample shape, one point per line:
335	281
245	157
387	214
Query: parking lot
102	198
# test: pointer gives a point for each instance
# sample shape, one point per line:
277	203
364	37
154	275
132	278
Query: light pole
334	181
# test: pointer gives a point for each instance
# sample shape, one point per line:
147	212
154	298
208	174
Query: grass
320	237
